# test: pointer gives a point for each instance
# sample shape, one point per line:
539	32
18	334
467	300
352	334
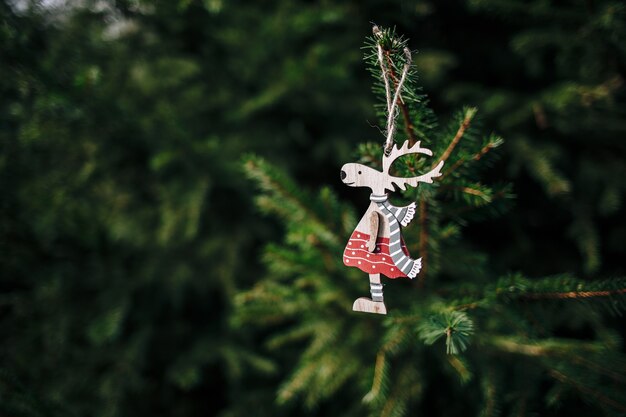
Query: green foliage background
133	257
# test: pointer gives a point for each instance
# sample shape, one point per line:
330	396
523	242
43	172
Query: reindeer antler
401	183
403	150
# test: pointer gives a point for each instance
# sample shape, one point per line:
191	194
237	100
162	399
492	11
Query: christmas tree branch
497	196
257	169
490	395
476	157
469	115
564	350
616	376
586	390
389	406
551	347
378	377
468	306
381	361
471	191
573	294
593	292
474	191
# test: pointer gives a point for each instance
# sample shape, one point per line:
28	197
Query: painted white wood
364	224
373	232
365	305
359	175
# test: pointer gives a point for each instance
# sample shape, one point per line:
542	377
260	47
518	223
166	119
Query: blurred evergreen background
128	227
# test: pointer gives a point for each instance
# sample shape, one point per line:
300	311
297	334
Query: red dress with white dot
377	262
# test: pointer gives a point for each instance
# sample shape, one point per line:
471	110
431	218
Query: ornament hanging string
392	101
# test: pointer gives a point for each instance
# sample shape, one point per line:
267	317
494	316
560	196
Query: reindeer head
358	175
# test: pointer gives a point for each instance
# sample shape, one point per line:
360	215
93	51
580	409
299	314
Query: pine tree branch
619	377
408	125
473	191
468	306
491	395
562	349
573	294
379	366
389	405
469	115
460	367
469	190
511	346
551	295
586	390
463	210
258	170
476	157
378	376
546	348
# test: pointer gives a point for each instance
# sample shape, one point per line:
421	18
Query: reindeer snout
343	175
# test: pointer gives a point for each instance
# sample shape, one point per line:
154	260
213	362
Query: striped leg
375	304
376	288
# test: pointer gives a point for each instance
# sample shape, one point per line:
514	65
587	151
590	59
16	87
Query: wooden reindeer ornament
376	245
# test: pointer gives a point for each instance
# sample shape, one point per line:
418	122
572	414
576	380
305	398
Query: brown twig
459	134
378	373
510	346
468	190
473	191
408	125
468	306
496	196
476	157
573	294
553	295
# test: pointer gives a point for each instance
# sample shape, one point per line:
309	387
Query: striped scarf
403	215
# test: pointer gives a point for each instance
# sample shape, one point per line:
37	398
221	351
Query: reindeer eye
359	172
